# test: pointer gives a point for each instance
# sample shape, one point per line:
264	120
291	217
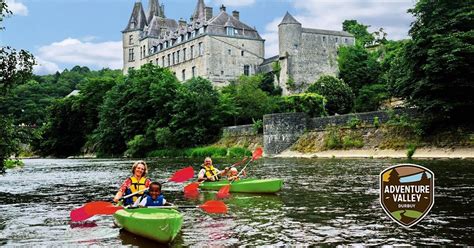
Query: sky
65	33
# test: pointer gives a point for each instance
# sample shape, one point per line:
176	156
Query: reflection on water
323	201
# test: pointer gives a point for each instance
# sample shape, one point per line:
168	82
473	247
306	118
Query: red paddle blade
257	154
79	214
191	188
214	207
224	191
94	208
182	175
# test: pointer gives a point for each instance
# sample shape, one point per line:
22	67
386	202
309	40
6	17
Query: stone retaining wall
243	130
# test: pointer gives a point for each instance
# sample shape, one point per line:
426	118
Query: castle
221	47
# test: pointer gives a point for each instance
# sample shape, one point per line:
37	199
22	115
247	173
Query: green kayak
247	185
161	225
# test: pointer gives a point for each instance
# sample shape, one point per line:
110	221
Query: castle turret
289	33
155	10
200	11
131	35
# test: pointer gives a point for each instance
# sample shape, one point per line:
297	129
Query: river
328	202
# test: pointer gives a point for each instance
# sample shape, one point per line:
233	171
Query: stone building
221	47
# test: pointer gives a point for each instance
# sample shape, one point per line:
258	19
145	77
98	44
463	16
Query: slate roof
289	19
137	19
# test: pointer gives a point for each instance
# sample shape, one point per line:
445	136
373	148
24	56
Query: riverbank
420	153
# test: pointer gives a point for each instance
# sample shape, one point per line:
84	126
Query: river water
328	202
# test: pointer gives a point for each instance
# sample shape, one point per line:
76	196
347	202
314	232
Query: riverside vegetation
150	113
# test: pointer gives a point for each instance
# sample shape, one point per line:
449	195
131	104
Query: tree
338	94
434	71
15	69
360	32
358	67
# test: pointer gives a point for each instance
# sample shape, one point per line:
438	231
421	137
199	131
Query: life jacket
230	177
135	187
211	173
154	203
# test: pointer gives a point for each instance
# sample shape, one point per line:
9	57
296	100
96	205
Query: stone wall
280	131
243	130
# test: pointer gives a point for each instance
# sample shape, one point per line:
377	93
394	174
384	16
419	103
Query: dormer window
201	30
180	39
193	34
230	31
166	44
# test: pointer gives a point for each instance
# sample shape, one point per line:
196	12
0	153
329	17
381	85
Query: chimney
236	14
222	8
208	13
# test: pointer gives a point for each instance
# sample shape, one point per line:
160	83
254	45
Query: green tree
309	103
371	97
15	68
434	72
358	67
360	32
195	120
338	94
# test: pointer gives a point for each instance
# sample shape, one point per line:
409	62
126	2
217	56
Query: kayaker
154	198
137	182
209	172
233	173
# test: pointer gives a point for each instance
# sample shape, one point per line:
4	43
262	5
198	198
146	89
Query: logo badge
407	193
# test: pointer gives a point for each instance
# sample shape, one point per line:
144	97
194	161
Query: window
324	38
201	30
346	41
180	39
222	73
161	46
230	30
193	71
144	51
246	70
184	54
177	56
163	61
193	34
192	52
130	39
130	55
201	49
157	61
141	53
229	52
183	74
337	39
242	53
169	59
174	58
166	44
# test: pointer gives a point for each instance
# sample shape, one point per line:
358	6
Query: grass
200	152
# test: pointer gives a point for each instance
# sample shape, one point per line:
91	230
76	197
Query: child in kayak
209	172
232	174
154	198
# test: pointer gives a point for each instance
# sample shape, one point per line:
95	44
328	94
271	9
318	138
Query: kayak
161	225
246	185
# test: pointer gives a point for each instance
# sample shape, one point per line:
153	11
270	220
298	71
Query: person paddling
232	174
209	172
137	182
154	198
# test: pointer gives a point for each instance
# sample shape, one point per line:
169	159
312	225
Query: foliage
209	151
362	36
338	94
371	97
434	72
337	138
267	84
236	152
9	142
290	84
250	101
137	146
354	123
310	103
411	148
257	126
276	67
358	67
376	122
12	163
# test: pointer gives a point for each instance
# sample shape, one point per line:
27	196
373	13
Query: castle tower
200	11
130	37
155	10
289	37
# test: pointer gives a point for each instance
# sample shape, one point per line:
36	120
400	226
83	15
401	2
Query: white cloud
76	52
325	14
17	8
44	67
234	3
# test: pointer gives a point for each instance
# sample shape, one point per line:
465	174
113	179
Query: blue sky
63	33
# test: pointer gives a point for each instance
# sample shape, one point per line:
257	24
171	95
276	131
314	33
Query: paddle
192	188
224	191
211	207
93	208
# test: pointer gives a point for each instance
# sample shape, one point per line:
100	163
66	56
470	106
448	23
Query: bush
339	96
333	138
167	153
257	126
376	122
411	148
352	141
371	97
354	122
310	103
137	146
209	151
238	152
